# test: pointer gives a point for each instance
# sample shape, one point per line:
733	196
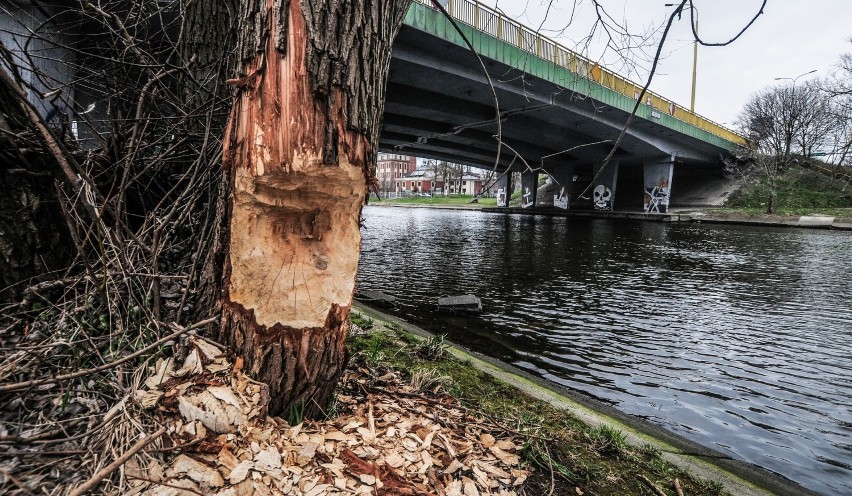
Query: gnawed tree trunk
299	145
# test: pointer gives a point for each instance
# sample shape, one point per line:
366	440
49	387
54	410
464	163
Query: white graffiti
528	199
560	200
602	197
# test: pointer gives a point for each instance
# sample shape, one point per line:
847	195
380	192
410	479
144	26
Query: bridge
560	113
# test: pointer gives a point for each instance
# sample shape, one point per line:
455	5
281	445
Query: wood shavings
382	443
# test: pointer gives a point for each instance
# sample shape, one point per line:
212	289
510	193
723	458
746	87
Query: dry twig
104	472
66	377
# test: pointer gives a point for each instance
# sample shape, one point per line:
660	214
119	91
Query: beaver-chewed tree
300	140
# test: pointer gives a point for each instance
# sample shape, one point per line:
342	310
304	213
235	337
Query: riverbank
585	440
838	219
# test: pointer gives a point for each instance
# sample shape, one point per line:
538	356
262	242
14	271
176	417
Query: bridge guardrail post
476	14
520	41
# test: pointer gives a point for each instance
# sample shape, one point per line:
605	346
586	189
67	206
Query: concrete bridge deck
559	111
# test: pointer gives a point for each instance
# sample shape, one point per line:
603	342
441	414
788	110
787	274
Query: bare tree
784	123
839	90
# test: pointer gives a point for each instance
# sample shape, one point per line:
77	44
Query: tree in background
783	124
839	90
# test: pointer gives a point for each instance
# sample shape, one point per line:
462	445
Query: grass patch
800	192
362	321
597	460
432	348
441	200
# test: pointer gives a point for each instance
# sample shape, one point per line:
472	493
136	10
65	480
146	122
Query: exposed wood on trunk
299	145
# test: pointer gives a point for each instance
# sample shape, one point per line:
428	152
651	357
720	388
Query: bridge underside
439	105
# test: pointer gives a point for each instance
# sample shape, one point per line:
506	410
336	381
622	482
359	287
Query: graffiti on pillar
501	197
562	200
602	197
527	198
657	197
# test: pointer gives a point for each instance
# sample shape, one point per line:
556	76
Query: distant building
419	181
469	184
392	166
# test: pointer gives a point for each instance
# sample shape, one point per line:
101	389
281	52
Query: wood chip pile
388	440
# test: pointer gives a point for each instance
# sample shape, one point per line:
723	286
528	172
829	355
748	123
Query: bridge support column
504	189
658	185
603	189
529	188
563	177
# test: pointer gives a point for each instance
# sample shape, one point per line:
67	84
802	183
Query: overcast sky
791	37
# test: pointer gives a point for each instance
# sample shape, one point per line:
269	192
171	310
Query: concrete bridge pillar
603	189
563	177
658	185
504	189
529	188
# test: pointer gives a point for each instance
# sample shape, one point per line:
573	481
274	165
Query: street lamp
797	77
694	54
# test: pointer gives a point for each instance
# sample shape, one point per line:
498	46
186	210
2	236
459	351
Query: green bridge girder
435	23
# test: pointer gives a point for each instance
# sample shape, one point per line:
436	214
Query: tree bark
208	40
299	146
772	203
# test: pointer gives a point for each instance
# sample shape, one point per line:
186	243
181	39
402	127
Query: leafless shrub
121	109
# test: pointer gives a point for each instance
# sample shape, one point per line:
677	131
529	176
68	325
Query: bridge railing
490	21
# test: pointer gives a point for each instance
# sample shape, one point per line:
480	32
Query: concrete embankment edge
804	221
738	478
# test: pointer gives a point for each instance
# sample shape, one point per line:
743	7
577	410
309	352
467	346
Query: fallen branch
106	366
653	487
104	472
677	487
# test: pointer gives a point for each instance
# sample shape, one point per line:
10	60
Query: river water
739	338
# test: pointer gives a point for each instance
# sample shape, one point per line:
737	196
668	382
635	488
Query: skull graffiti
602	197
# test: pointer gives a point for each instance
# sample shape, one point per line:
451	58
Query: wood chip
306	454
197	471
240	472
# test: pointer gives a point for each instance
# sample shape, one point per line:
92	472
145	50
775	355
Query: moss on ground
582	459
800	192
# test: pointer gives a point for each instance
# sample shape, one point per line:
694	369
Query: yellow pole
694	63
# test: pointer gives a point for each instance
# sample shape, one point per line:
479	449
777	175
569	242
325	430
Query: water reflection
737	338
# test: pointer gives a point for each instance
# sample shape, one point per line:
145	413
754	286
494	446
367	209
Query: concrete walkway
807	221
738	477
709	216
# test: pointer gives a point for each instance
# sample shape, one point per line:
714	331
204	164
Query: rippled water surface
739	338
